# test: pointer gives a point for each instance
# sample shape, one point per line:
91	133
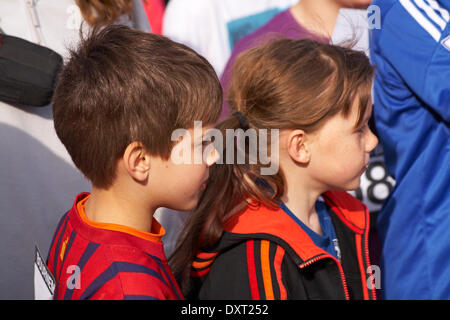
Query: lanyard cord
36	30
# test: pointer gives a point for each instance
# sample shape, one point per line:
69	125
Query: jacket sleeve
251	270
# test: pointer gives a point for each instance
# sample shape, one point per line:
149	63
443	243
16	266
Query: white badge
44	282
446	43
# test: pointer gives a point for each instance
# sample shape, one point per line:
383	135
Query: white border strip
444	13
420	18
431	14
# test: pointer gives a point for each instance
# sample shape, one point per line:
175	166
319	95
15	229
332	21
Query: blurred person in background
212	27
411	52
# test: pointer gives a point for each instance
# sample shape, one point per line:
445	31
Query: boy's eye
205	143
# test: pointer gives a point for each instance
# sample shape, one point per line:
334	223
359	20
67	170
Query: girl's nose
372	142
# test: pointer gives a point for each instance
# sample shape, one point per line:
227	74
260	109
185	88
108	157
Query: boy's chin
354	185
188	205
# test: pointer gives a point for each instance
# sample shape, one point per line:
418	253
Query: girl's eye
362	129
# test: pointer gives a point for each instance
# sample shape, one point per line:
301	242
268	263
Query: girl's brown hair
283	84
103	12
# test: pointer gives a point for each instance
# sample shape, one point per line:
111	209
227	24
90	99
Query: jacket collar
261	221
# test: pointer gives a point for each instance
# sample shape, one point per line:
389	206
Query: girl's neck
301	200
318	16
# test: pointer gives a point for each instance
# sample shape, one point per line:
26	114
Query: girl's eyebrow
206	136
366	118
363	123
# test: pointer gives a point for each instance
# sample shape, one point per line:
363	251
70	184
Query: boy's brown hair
122	85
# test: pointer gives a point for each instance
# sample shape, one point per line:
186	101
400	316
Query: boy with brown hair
118	100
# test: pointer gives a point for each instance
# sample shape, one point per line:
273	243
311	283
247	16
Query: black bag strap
28	72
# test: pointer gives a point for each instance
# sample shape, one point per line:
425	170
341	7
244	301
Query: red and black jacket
265	254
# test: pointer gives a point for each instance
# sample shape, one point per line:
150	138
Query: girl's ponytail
231	187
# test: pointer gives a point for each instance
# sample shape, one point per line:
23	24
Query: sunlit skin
320	16
145	182
332	158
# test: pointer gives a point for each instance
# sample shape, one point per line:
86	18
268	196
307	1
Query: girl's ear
136	161
298	146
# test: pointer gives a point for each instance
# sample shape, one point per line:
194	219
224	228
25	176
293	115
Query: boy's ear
298	146
136	161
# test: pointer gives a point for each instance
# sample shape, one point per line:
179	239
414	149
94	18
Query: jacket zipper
315	259
366	252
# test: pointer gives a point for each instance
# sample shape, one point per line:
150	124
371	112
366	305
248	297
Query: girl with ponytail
295	234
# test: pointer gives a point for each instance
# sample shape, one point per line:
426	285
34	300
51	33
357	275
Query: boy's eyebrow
208	133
